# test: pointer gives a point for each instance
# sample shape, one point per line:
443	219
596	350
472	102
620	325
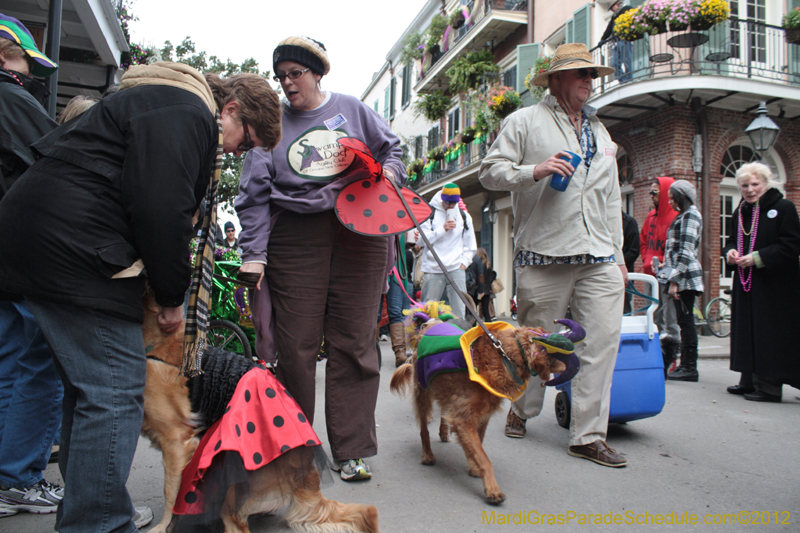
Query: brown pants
326	280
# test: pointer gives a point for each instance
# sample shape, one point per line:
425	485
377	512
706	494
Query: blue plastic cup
559	182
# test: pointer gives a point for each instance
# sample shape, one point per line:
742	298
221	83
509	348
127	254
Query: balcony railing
735	48
473	153
477	10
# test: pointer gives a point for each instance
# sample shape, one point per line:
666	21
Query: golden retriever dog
289	480
466	405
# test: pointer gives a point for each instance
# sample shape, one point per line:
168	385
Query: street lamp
762	131
491	212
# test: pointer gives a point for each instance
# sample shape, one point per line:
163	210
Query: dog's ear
535	355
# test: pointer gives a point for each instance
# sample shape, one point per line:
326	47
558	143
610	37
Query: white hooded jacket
455	247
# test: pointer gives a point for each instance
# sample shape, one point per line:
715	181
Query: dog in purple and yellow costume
468	376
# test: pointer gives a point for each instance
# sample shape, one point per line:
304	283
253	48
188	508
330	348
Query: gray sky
357	33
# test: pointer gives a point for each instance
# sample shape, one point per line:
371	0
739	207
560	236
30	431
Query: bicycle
718	315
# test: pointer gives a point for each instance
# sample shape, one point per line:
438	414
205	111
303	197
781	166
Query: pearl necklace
747	282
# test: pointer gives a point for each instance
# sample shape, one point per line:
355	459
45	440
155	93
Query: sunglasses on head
583	72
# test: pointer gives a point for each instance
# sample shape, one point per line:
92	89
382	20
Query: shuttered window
526	57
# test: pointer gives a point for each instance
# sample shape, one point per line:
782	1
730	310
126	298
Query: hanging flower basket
702	24
457	19
793	35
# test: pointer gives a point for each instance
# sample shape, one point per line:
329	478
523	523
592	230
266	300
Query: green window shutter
406	98
526	57
581	30
392	93
376	106
386	98
570	36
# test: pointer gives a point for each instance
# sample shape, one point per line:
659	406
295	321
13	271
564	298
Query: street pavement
707	455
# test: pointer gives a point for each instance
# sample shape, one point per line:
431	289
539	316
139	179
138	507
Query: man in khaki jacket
568	243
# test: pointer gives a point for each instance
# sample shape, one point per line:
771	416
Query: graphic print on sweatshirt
317	154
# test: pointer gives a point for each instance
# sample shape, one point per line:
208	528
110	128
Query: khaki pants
595	294
326	280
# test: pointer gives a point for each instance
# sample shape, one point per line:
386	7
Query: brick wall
660	144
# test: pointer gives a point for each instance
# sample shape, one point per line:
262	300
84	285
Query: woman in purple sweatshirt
321	278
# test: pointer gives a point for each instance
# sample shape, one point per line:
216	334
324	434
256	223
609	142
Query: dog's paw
428	460
444	433
496	498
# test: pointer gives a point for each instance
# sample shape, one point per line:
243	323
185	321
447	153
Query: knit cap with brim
303	50
686	188
451	193
13	30
570	56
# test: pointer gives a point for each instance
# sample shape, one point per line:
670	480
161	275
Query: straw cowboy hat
570	57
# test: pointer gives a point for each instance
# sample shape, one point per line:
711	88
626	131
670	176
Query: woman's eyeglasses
293	75
583	72
247	143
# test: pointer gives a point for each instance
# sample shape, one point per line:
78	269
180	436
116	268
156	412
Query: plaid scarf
194	340
189	79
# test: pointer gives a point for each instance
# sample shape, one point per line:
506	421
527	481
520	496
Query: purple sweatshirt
308	168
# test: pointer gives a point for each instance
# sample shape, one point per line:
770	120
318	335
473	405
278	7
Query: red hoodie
654	229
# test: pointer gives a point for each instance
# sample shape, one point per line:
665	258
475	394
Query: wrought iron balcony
489	19
734	48
473	153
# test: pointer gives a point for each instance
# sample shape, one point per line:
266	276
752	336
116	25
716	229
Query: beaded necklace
747	282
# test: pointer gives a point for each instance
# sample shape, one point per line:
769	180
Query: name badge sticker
336	122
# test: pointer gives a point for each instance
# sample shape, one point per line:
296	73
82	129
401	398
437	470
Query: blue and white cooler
637	388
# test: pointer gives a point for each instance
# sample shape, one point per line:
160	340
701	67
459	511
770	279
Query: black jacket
23	121
119	183
765	319
630	240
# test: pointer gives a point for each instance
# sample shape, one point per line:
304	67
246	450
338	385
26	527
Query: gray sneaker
142	516
39	498
354	470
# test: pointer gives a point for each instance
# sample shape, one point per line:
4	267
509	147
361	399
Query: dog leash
495	342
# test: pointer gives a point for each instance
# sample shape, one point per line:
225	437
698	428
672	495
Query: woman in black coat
764	246
481	293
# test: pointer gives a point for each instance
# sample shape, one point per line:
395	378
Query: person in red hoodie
653	238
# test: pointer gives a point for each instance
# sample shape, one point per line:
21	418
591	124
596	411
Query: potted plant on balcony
416	166
791	21
436	153
412	48
653	16
435	31
474	68
628	27
432	106
458	18
468	134
503	101
711	12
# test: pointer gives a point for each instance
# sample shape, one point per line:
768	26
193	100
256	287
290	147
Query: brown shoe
515	426
600	453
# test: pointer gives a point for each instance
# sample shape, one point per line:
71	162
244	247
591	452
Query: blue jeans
622	56
102	364
434	285
396	301
30	397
